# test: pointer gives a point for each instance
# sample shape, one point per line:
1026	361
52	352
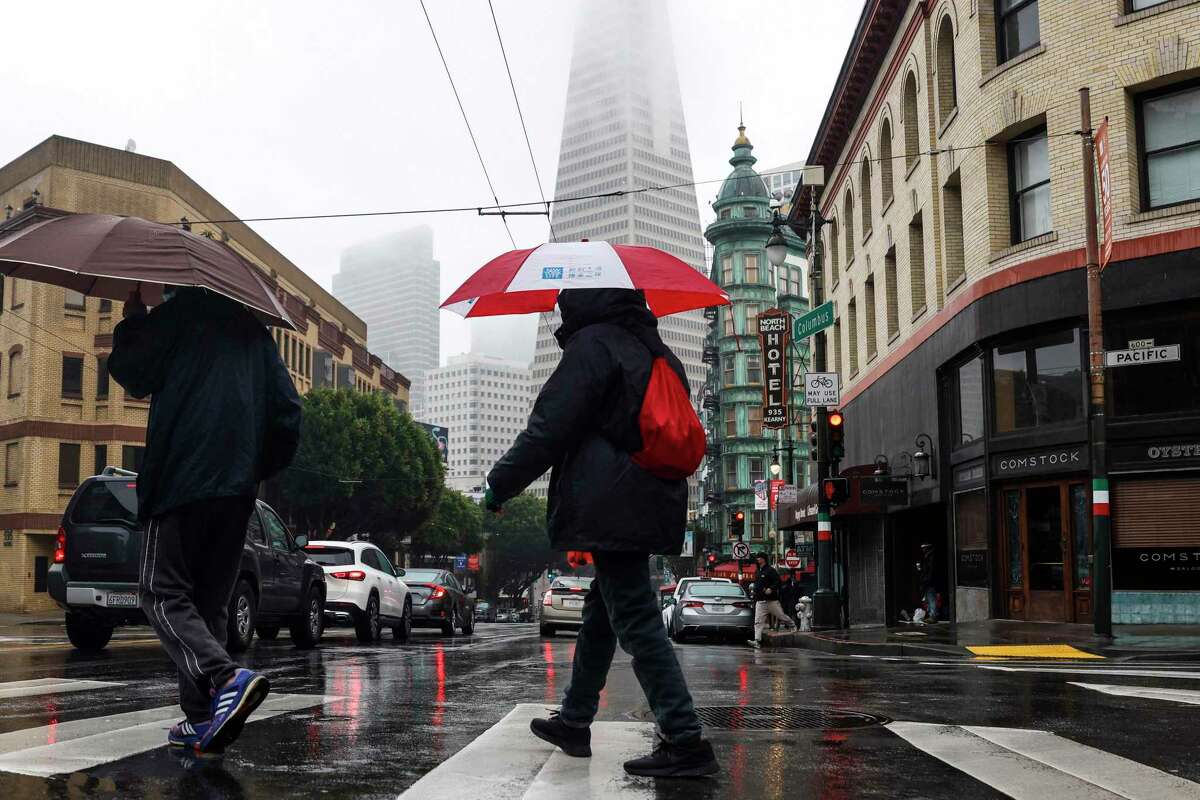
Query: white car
669	609
363	588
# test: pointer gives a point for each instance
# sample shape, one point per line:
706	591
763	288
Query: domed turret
743	182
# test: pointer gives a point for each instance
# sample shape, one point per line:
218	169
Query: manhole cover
784	718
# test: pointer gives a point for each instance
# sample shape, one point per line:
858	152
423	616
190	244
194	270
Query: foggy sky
302	107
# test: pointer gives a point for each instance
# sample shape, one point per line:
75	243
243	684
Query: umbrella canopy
108	256
524	281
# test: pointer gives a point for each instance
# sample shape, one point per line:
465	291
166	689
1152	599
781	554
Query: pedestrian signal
835	491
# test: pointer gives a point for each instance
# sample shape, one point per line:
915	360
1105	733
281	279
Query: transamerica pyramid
623	128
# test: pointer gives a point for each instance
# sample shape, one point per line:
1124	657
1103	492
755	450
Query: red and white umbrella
525	281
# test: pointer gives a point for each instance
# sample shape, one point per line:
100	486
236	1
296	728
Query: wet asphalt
400	710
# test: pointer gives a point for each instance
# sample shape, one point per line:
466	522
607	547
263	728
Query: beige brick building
954	256
61	417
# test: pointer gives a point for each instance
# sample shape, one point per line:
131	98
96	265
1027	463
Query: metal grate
785	718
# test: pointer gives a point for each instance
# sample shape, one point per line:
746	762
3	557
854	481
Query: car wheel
87	633
367	626
468	623
449	625
402	631
267	633
546	630
307	629
243	609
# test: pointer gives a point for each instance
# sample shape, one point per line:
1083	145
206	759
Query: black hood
624	307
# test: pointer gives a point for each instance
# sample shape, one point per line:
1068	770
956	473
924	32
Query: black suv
94	577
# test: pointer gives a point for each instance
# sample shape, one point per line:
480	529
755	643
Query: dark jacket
584	426
224	414
925	571
789	595
766	578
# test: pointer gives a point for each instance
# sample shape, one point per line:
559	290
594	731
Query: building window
750	212
730	370
101	460
727	270
73	300
756	468
1138	5
1017	27
852	344
970	401
869	306
916	264
725	213
758	525
952	228
864	179
12	463
728	314
731	430
731	473
101	377
105	306
18	293
837	346
16	377
885	162
754	415
750	267
912	135
1029	179
1167	388
754	368
72	376
833	252
848	206
751	319
1170	134
1038	382
68	465
890	301
947	91
131	457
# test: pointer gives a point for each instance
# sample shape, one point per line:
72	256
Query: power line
466	121
521	116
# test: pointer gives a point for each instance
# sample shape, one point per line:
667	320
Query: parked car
712	608
483	610
364	589
562	605
439	601
671	600
94	578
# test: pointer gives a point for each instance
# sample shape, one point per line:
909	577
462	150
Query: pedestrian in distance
789	595
767	586
224	416
925	573
607	497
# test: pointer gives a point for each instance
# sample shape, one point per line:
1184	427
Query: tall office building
392	283
485	402
623	128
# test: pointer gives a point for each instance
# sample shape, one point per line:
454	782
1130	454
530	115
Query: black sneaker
576	742
691	760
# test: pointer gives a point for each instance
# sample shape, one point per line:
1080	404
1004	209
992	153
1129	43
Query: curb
812	641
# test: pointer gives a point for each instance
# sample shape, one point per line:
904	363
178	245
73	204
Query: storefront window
1081	520
1012	532
970	531
1163	387
970	401
1038	382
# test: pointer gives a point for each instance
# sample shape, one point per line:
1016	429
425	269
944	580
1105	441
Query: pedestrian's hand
134	307
491	503
766	591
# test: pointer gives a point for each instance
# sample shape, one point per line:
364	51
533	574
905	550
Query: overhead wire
466	121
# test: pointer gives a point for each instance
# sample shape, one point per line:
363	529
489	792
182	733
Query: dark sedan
439	601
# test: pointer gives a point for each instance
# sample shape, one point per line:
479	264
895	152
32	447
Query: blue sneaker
231	706
187	734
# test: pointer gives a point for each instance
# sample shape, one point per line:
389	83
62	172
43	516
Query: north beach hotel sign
1068	458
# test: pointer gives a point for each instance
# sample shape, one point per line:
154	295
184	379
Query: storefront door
1045	539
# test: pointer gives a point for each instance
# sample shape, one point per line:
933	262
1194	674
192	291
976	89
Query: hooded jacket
224	414
584	428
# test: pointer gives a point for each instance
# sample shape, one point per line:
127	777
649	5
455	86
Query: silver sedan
709	608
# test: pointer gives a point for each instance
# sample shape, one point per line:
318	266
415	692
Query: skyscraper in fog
624	128
392	283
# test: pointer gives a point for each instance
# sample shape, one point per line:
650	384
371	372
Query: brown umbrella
108	256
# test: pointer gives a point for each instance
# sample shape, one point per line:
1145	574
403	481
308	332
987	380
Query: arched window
885	161
946	89
833	252
848	215
864	178
912	135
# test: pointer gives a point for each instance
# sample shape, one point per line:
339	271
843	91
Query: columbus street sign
773	330
816	320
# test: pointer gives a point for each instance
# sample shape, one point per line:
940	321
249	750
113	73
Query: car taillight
60	546
548	599
577	589
693	604
437	593
350	575
743	605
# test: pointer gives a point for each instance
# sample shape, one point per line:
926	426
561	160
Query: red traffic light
836	419
739	516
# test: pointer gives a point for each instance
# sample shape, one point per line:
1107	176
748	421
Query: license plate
572	603
121	600
715	609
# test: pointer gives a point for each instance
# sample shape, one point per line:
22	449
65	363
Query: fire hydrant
804	610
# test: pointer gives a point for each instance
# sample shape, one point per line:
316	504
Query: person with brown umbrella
224	416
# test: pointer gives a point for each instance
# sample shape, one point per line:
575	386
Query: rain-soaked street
347	720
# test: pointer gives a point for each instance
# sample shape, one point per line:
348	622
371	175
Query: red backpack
672	436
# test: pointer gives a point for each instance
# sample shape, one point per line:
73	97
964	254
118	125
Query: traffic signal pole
826	605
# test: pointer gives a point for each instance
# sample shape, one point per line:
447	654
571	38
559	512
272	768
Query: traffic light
737	524
835	491
837	436
710	558
812	435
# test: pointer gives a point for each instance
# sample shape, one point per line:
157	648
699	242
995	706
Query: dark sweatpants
189	566
621	607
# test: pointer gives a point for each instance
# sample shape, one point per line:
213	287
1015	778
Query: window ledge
849	265
953	115
891	201
1137	16
11	484
1021	247
871	357
72	398
1167	211
893	338
920	312
911	168
854	375
1015	61
867	235
958	282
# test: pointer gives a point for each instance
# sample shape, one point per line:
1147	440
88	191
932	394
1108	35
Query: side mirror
400	573
671	600
301	541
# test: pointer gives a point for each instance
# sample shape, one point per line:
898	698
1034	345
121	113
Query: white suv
363	588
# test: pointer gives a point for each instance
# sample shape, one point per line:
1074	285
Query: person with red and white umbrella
615	425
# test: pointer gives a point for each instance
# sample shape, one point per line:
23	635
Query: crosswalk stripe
82	744
39	686
602	775
1131	672
1038	764
1187	696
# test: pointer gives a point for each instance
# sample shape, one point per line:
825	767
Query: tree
518	548
456	527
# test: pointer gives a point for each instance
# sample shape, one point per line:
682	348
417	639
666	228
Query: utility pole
1101	531
826	603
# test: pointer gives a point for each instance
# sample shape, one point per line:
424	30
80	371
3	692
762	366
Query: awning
803	513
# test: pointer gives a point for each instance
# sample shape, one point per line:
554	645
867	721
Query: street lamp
775	467
922	459
776	248
881	465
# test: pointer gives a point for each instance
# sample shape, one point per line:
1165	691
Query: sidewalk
1034	639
